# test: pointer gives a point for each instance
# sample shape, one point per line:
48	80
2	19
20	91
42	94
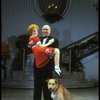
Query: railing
78	50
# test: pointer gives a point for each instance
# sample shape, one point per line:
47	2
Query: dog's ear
47	80
57	81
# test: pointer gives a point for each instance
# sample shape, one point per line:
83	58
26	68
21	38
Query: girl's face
35	32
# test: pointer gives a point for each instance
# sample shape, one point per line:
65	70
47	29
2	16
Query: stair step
30	84
70	80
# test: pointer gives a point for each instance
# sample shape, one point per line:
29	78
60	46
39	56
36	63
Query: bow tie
45	37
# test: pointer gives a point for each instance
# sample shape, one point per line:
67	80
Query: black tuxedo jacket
44	73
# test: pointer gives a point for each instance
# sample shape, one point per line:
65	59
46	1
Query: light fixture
52	10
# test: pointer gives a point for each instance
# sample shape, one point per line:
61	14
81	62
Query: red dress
40	56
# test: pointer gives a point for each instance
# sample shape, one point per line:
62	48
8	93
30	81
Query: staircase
70	78
72	68
75	79
73	53
19	79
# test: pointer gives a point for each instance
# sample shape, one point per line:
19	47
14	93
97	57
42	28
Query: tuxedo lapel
47	40
49	37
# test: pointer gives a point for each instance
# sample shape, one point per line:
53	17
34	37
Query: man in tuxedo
46	72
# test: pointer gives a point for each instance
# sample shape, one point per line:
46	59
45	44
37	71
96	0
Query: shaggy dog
58	91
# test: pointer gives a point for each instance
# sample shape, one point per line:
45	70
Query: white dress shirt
44	41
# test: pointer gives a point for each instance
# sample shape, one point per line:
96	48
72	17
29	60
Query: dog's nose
50	89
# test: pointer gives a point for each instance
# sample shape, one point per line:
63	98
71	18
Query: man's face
46	30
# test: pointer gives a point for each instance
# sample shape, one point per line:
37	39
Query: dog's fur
58	91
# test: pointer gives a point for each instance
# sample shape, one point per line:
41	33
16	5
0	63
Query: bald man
41	75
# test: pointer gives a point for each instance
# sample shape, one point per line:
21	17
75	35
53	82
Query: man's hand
49	53
57	70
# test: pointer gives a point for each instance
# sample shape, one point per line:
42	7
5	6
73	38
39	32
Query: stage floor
27	94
